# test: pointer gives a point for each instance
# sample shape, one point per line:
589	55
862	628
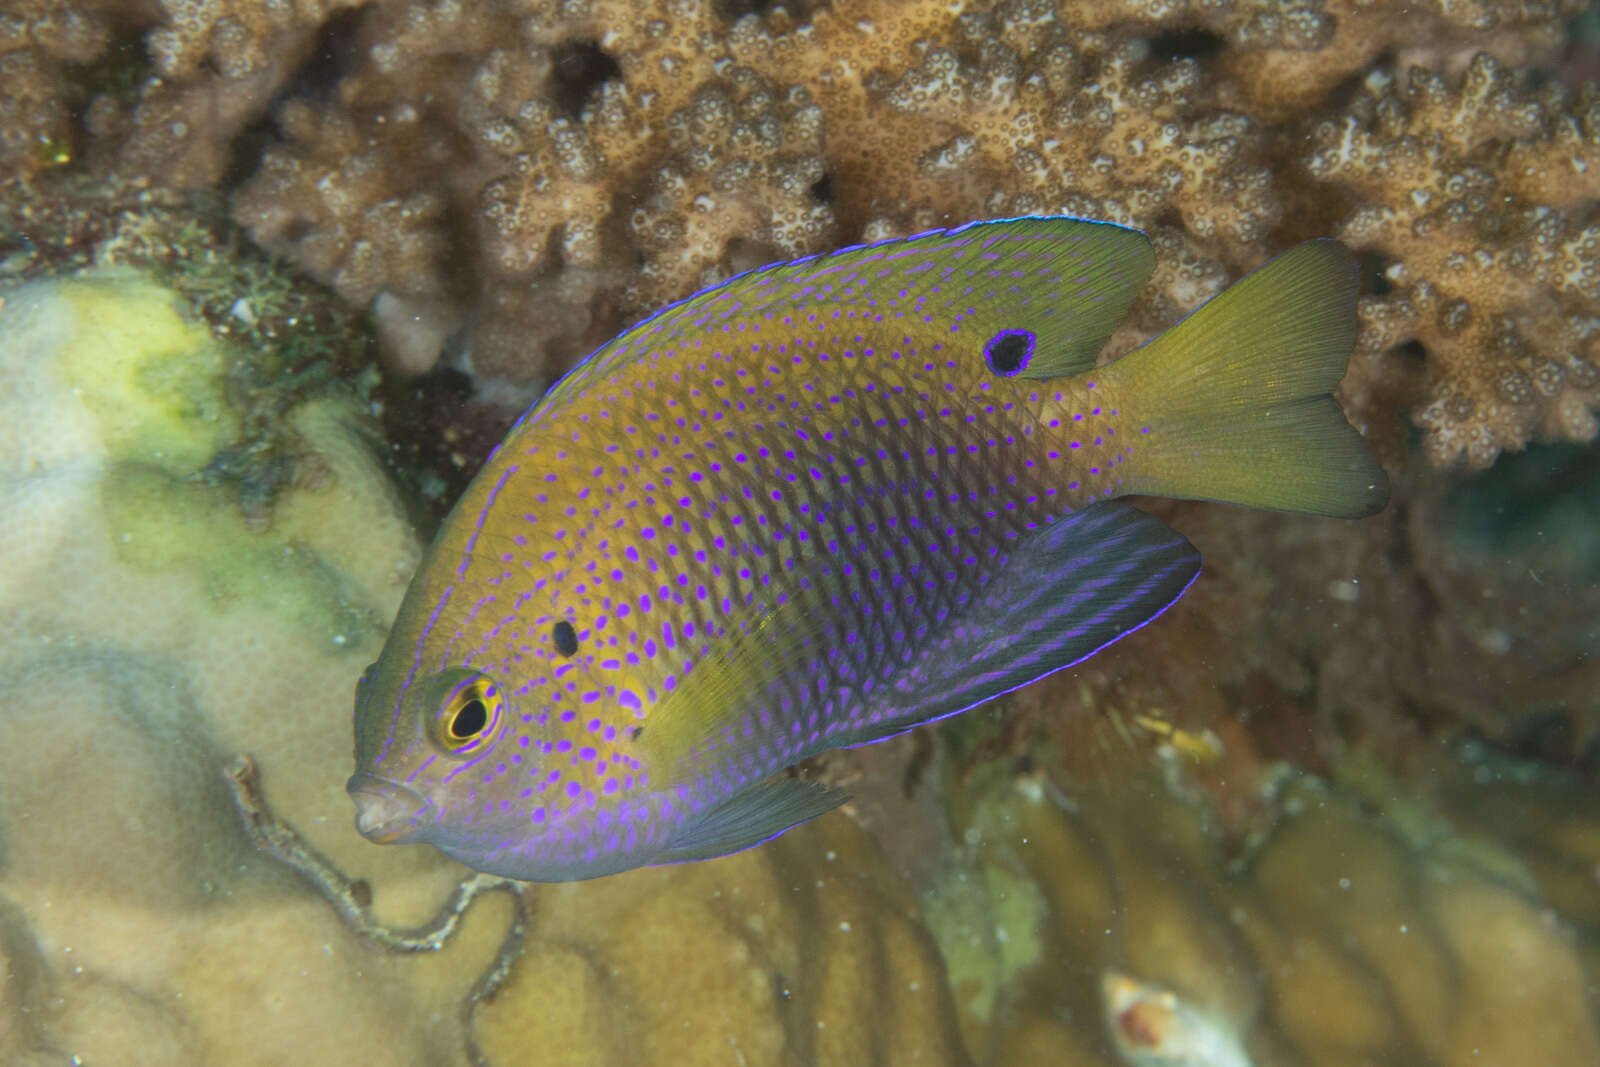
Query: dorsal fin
1061	283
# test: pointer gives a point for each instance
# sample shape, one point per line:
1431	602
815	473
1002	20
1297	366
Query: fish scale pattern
884	542
817	461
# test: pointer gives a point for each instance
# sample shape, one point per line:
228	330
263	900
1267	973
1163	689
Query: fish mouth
387	813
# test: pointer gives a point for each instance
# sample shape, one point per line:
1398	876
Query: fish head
418	736
516	747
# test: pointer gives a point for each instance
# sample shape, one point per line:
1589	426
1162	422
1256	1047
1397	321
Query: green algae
153	380
181	471
162	522
986	909
248	338
985	918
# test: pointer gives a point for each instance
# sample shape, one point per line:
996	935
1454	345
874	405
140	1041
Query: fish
815	506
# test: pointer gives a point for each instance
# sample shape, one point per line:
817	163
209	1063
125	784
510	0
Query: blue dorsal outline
1118	261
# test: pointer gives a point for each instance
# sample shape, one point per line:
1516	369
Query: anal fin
746	819
1091	577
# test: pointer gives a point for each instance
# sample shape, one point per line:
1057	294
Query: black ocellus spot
1009	351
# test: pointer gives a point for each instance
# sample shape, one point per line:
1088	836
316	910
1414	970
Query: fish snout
387	813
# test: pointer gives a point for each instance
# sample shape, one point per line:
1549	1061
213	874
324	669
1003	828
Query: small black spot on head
565	638
1009	351
634	734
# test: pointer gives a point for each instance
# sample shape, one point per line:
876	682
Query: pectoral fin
758	814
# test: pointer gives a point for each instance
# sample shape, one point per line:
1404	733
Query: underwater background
274	279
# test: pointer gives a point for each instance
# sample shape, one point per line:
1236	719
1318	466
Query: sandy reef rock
805	951
148	632
1361	929
147	635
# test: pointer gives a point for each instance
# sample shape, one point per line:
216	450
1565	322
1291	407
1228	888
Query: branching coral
1292	56
708	149
709	170
1481	201
543	171
36	39
1029	118
234	37
348	216
209	68
686	147
533	174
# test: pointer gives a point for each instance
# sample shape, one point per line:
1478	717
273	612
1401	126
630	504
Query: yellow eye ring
469	713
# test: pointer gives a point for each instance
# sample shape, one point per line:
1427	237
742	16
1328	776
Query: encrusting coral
534	174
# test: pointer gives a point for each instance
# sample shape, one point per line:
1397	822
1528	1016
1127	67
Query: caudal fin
1237	396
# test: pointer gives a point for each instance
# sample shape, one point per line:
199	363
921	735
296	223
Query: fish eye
468	721
469	711
565	638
